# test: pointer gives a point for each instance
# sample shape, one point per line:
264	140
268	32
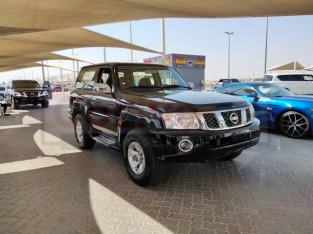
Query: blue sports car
276	107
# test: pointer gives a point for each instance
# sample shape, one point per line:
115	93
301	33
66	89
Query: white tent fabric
289	66
18	16
11	61
310	68
29	65
48	41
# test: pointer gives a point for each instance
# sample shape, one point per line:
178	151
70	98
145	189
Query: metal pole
48	72
228	55
32	73
294	67
104	55
73	63
43	72
266	46
62	82
24	74
163	42
131	41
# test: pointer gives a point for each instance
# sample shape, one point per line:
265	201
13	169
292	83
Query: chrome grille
211	120
31	94
228	115
248	115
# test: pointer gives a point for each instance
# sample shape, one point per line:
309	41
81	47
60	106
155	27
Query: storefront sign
147	61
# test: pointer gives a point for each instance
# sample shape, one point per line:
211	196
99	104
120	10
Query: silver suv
299	83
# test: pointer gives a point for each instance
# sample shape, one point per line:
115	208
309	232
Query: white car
299	83
223	82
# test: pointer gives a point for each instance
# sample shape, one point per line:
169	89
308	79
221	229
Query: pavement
49	185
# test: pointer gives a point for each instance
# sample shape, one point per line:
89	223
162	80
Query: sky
289	39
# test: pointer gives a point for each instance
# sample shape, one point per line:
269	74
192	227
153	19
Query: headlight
44	93
181	120
251	110
17	94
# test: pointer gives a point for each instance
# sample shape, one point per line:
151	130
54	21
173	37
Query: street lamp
229	33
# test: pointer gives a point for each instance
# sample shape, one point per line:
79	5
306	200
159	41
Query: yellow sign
181	61
196	62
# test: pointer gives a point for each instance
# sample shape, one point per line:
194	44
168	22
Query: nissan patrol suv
23	92
150	114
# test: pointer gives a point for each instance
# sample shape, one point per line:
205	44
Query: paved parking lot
48	185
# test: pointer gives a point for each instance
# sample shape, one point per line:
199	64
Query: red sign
201	58
147	61
178	57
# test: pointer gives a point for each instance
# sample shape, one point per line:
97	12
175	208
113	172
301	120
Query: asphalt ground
49	185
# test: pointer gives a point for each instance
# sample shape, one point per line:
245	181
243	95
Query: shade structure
289	66
310	68
17	16
48	41
29	65
11	61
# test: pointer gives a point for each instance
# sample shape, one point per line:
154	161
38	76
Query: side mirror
252	95
102	88
191	85
45	86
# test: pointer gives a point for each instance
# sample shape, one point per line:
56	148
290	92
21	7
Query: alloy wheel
136	158
79	131
294	124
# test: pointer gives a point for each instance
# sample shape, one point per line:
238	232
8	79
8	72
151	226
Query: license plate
240	137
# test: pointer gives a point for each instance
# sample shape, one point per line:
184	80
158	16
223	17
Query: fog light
185	145
16	101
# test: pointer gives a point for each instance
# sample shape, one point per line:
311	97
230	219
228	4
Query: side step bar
107	142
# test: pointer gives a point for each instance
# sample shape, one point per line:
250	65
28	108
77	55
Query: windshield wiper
175	86
144	86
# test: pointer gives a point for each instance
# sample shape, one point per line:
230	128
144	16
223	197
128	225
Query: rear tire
146	169
35	104
231	157
44	104
81	133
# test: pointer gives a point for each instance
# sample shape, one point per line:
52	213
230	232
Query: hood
182	100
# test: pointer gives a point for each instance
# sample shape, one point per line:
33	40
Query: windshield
149	77
272	90
2	88
17	85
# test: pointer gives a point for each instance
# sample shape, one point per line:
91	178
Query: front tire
44	104
141	164
81	133
231	157
294	124
14	105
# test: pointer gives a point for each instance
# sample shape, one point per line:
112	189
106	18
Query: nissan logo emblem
32	94
234	118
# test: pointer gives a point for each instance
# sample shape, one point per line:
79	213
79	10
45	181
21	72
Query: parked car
276	107
223	82
59	89
2	93
299	83
153	120
22	92
46	86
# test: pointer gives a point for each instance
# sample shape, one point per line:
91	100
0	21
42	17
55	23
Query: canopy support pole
294	67
104	55
163	46
131	41
266	46
62	83
43	72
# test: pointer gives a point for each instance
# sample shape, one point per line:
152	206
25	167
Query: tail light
223	84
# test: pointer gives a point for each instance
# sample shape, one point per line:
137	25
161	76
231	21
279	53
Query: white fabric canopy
48	41
289	66
29	65
11	61
17	16
310	68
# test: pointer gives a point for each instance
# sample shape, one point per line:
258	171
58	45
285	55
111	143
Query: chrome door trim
108	131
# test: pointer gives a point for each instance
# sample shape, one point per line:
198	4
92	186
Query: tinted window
268	78
235	80
17	85
86	79
295	78
2	88
272	90
239	90
283	77
222	90
307	77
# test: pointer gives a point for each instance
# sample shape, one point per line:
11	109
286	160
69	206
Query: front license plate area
240	137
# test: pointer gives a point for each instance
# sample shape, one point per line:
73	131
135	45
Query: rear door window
240	90
222	90
295	78
283	77
308	77
86	79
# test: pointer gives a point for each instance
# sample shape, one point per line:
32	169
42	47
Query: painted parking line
14	126
27	165
30	120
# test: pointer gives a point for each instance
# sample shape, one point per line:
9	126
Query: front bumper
206	144
31	100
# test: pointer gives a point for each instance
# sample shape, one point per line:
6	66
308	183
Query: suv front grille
232	118
248	115
211	120
31	94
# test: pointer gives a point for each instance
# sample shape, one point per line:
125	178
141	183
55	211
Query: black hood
29	90
182	100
